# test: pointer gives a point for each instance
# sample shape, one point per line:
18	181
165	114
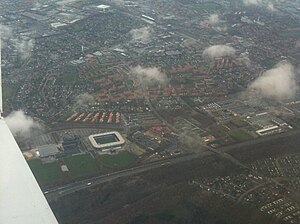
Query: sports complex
107	141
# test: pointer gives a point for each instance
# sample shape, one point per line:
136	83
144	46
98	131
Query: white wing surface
21	199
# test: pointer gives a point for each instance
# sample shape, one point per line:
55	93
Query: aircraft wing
21	199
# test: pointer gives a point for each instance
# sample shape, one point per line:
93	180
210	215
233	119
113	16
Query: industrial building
267	124
71	144
48	150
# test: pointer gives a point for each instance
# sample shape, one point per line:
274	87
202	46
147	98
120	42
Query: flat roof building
103	6
48	150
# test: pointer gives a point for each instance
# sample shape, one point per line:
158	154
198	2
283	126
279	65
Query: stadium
107	141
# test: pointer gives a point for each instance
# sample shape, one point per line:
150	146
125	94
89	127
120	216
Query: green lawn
119	160
8	91
290	33
210	6
207	6
238	122
45	173
80	165
71	75
240	135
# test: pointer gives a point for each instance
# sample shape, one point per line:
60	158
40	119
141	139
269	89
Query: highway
60	191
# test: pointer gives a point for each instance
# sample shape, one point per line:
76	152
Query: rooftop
103	6
48	150
106	140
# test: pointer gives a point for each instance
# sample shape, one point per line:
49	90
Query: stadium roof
119	140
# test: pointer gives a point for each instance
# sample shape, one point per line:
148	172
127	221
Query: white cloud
83	99
149	74
215	22
142	34
271	7
6	33
278	83
213	19
21	124
268	4
244	59
119	2
252	2
217	51
24	47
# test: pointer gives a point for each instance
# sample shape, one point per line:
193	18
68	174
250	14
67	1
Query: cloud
217	51
6	33
213	19
142	34
278	83
215	22
244	59
271	7
220	28
149	74
252	2
36	4
24	47
268	4
21	124
189	42
119	2
83	99
65	2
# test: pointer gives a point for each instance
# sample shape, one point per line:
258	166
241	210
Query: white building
107	141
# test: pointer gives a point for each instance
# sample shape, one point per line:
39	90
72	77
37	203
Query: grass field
207	6
210	6
80	165
8	91
240	135
290	33
238	122
71	75
135	149
119	160
45	173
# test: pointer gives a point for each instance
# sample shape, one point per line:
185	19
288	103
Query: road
58	192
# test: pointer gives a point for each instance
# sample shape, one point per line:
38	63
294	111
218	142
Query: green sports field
80	165
8	91
240	135
45	173
119	160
